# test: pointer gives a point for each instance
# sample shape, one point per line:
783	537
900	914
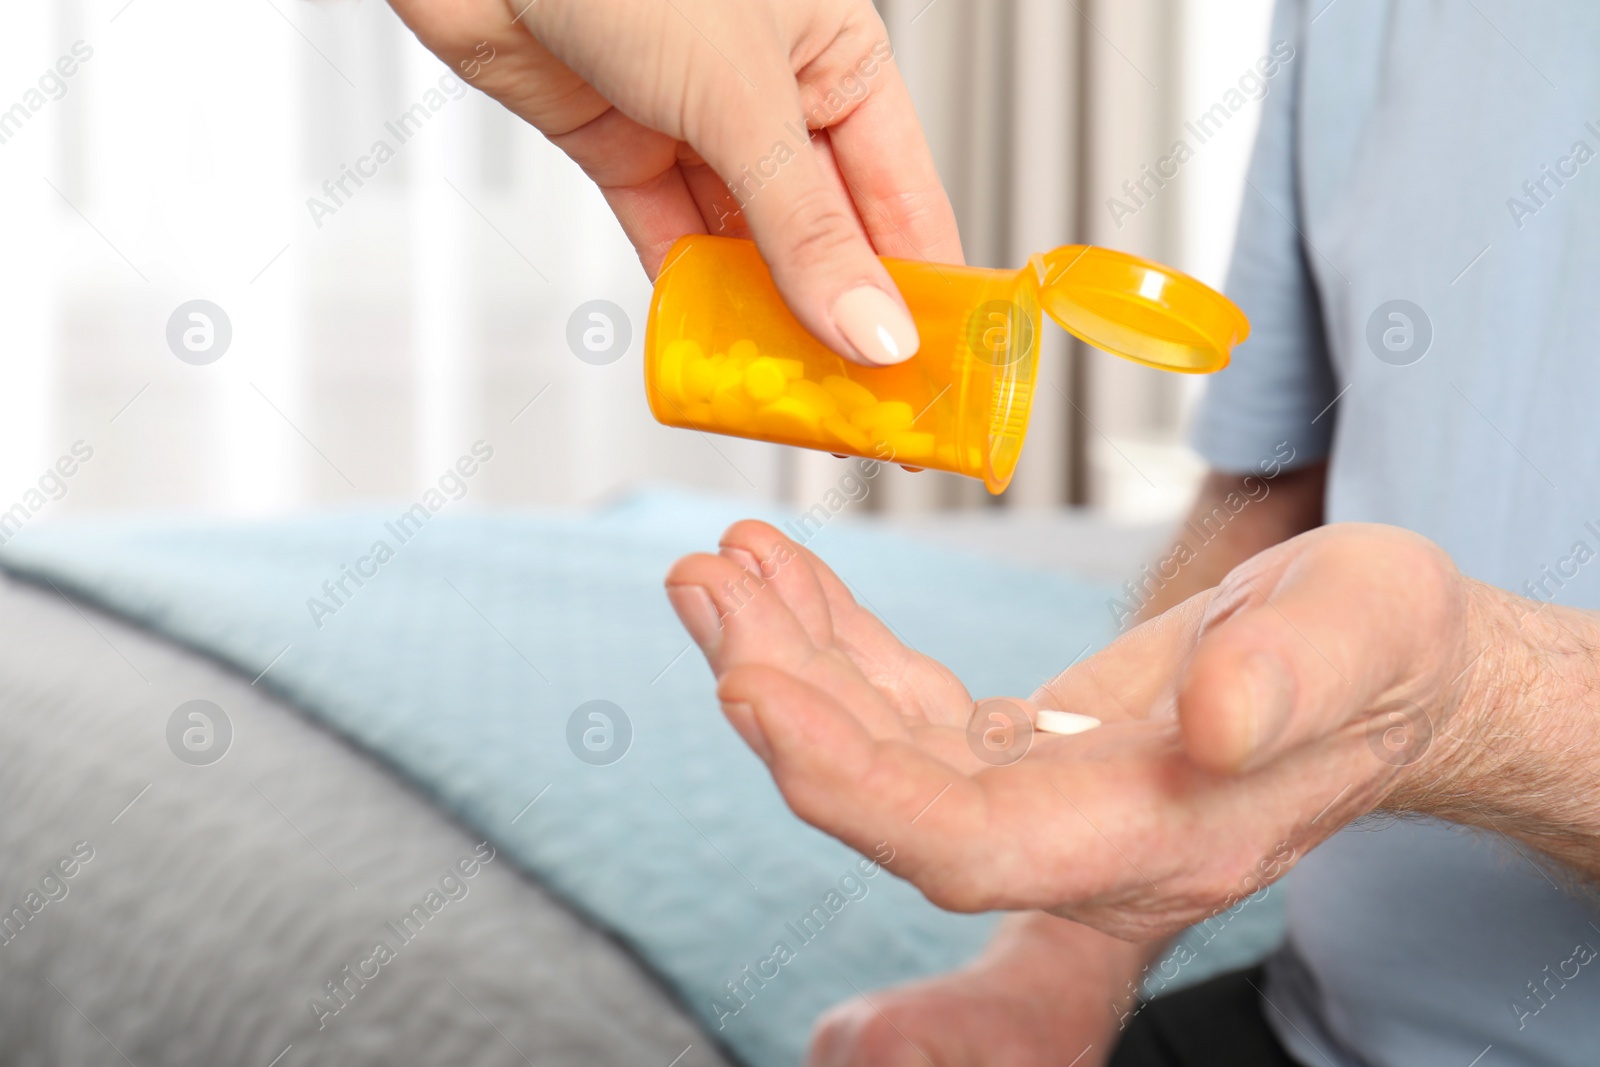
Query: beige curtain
1037	110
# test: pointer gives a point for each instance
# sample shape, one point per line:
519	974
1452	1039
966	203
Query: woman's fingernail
876	325
743	717
1271	690
693	605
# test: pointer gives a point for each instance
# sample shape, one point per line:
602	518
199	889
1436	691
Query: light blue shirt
1419	254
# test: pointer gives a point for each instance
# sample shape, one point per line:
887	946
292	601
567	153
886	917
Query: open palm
1200	788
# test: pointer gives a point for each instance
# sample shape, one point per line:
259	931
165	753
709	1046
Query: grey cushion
221	899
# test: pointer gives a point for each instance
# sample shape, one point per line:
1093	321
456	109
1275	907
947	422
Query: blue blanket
463	654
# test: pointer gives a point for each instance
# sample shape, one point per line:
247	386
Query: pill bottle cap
1138	309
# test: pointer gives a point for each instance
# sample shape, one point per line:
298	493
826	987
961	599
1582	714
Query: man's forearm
1032	949
1520	751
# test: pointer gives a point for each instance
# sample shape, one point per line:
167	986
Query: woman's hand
1240	729
693	116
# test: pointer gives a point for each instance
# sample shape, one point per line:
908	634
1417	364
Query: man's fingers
1315	634
869	792
914	685
738	618
733	617
859	631
776	560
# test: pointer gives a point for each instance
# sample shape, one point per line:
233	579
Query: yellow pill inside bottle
765	380
789	420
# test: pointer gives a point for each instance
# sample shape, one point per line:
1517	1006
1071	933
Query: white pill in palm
1063	722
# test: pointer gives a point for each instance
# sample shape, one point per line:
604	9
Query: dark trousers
1217	1023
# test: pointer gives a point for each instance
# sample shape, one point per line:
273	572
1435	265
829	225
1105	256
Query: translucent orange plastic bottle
723	354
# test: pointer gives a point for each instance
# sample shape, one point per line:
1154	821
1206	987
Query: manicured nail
743	718
1271	690
699	615
876	325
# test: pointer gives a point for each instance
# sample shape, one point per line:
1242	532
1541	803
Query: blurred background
373	343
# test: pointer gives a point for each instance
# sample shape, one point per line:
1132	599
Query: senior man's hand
1338	672
692	116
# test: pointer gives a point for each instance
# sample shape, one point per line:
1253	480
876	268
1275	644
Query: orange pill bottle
723	353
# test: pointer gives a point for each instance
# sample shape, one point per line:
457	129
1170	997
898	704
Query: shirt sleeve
1280	383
